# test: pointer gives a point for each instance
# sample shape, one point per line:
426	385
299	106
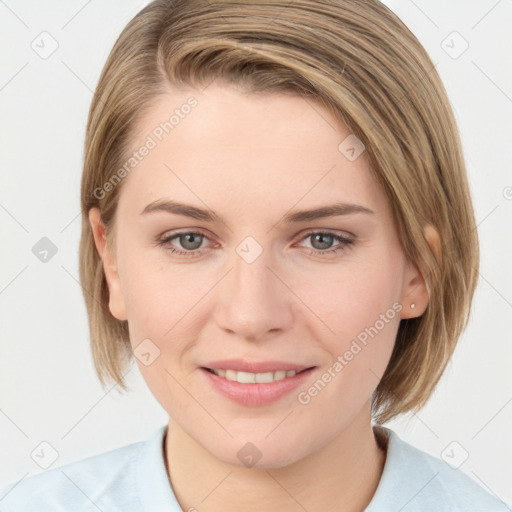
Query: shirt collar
405	475
154	487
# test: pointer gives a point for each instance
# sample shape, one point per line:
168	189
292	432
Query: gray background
49	392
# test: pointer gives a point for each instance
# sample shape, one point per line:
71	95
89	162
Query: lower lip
259	393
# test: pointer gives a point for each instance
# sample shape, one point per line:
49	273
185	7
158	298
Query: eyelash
344	243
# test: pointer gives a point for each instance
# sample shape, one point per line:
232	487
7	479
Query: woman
277	225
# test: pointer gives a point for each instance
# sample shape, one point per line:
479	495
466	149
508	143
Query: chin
260	453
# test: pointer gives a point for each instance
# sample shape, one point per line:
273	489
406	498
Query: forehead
224	144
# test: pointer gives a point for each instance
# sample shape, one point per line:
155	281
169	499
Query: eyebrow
177	208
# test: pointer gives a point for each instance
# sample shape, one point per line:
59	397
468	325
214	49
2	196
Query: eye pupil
191	241
321	238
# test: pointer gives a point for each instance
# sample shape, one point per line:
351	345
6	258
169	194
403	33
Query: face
249	279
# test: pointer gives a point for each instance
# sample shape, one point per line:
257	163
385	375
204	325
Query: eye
322	241
190	241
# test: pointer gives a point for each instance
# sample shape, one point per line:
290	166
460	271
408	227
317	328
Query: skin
252	159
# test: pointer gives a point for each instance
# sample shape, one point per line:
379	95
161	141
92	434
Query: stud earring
413	306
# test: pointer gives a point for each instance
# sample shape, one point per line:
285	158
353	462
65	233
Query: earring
413	306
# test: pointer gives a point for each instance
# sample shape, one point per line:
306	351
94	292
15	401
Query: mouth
254	378
254	389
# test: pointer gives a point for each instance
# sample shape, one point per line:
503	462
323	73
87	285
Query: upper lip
255	366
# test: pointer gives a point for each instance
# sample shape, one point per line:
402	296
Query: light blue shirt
133	478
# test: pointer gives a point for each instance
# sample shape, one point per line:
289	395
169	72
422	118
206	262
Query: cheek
158	298
162	307
352	295
357	315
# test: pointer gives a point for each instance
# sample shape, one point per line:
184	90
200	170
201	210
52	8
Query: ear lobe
415	290
116	299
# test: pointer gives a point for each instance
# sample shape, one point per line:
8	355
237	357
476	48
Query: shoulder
106	481
415	481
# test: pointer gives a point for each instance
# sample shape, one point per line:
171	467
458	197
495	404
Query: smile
253	378
255	389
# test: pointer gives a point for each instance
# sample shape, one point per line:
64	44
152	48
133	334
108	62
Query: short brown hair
357	59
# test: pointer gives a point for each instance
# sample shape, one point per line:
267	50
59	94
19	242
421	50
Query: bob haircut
355	58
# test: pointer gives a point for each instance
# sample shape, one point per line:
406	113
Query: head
247	104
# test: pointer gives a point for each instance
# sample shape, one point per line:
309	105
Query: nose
254	302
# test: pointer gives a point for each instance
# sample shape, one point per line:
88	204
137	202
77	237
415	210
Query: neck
344	474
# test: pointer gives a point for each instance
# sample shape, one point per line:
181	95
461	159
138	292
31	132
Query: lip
241	365
256	394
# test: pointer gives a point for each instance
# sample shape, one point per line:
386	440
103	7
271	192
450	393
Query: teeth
263	377
252	378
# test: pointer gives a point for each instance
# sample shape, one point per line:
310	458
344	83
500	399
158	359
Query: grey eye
190	241
323	240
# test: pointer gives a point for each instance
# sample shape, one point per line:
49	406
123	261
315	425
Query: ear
415	290
116	300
